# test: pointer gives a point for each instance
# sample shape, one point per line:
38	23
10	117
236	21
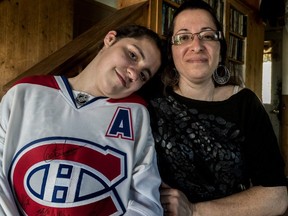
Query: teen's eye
132	55
143	76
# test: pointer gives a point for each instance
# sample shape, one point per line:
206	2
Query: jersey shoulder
43	80
133	98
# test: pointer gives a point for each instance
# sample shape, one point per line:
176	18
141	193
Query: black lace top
210	150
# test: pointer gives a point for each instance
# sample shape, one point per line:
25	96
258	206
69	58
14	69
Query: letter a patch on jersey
121	124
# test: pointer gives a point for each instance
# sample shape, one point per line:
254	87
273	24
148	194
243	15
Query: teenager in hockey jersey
83	145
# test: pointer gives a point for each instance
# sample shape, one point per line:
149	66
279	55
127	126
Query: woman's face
195	60
124	66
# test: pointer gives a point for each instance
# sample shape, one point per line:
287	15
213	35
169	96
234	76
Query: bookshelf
236	36
169	6
242	29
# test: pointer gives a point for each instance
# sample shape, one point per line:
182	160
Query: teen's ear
110	38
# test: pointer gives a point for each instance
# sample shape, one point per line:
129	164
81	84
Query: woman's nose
196	44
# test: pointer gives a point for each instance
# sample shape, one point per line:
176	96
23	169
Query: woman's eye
209	37
184	37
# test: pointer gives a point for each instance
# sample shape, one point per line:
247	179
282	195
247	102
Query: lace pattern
198	153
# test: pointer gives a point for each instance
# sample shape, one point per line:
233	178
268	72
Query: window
267	73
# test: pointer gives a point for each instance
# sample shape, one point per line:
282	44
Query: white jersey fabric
57	159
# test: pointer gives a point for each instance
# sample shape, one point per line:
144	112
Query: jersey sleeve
144	191
265	162
7	203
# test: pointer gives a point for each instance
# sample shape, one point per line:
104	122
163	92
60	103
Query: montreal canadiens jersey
60	159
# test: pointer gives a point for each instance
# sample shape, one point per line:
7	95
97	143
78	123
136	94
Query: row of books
238	22
236	48
167	15
178	1
218	6
168	9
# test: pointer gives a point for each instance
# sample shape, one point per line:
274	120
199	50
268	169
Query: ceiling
272	12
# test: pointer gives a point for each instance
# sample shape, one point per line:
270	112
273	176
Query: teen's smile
122	80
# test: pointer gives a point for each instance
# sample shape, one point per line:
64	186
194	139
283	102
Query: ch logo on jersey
58	176
121	124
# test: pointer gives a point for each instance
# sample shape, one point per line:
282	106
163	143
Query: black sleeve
264	160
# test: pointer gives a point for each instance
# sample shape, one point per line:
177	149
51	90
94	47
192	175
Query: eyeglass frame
218	35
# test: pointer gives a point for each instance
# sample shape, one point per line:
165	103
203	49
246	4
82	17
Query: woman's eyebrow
180	30
202	29
207	28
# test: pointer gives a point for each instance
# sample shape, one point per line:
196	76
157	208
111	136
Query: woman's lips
195	60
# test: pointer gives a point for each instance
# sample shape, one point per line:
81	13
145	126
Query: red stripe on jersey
43	80
133	98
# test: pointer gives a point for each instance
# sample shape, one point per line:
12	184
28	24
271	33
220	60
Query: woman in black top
217	152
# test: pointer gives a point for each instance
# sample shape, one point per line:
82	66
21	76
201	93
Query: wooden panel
118	4
30	30
126	3
73	56
254	54
87	13
255	4
156	16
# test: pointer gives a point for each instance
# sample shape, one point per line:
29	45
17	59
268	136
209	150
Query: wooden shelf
171	3
118	4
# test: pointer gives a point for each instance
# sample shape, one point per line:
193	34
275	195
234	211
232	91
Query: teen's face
126	65
195	60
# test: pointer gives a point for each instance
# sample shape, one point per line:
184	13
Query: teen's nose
133	74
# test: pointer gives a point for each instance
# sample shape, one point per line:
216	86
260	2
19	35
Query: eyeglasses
206	35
